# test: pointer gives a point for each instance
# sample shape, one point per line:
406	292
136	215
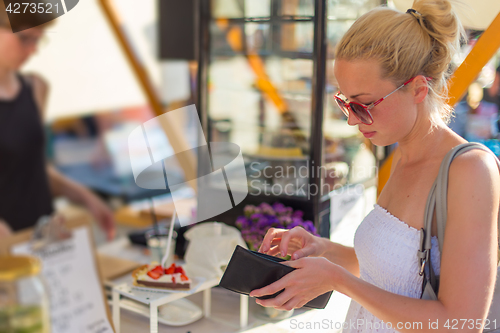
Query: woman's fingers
271	234
288	299
304	252
274	251
270	289
294	263
277	301
282	242
293	303
296	232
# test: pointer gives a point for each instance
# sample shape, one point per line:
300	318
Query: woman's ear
420	88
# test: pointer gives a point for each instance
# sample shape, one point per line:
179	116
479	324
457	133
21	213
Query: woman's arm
342	255
468	266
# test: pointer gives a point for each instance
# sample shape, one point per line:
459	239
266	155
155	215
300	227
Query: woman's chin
379	142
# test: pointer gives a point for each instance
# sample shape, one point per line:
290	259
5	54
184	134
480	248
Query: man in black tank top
27	182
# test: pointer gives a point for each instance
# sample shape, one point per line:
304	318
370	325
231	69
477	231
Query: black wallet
250	270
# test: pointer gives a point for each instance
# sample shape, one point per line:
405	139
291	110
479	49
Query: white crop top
387	249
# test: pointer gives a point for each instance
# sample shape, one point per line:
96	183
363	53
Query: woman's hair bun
441	22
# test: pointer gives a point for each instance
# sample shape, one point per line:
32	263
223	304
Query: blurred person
392	71
493	93
477	104
481	117
27	182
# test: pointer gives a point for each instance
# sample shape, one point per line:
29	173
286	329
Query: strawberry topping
154	275
158	269
170	270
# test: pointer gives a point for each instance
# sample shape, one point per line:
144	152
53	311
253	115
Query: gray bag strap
437	201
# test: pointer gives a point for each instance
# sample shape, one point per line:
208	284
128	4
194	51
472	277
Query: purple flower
266	209
309	226
256	217
285	220
293	225
249	210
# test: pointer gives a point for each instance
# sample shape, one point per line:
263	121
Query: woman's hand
312	277
297	242
101	212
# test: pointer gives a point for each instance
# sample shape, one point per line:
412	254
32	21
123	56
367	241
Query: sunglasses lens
361	113
342	106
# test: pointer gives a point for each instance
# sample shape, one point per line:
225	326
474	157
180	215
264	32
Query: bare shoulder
474	183
40	90
38	83
475	164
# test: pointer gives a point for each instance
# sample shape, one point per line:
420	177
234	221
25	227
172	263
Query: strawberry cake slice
156	276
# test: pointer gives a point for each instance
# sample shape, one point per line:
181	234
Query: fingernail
282	253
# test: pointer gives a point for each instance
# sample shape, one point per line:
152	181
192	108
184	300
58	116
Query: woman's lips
368	134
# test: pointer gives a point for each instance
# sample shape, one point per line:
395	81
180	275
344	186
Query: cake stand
154	299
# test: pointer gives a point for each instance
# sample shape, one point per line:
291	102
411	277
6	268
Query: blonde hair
409	44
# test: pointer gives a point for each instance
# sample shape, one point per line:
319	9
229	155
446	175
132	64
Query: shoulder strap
437	199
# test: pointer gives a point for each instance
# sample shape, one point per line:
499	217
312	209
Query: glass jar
157	240
24	304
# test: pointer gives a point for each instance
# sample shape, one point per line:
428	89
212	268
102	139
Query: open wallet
249	270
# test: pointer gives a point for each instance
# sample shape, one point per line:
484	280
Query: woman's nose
352	120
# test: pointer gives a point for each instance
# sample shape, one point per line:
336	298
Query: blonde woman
391	69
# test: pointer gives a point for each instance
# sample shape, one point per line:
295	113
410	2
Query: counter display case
266	84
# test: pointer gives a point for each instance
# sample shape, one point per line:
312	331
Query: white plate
176	313
195	284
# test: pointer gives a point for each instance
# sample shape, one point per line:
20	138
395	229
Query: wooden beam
486	46
173	131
